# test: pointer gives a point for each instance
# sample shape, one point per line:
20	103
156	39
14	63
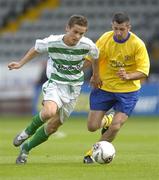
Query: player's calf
107	120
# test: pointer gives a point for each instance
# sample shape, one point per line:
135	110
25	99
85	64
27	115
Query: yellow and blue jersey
130	54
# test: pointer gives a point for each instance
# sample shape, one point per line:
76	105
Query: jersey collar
123	40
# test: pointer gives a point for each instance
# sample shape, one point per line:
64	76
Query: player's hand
14	65
95	82
123	74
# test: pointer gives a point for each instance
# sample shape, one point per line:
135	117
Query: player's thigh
94	119
126	102
101	100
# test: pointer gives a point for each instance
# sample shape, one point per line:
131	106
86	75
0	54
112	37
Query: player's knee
92	127
48	114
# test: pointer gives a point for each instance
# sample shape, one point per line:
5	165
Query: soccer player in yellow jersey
123	63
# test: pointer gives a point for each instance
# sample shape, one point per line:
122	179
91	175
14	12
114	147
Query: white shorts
64	95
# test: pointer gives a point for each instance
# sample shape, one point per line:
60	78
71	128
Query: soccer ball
103	152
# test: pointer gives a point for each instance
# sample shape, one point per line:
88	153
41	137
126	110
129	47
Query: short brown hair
120	17
77	19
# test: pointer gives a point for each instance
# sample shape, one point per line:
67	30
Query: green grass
60	158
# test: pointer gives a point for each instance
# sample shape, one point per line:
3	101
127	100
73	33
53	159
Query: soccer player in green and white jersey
65	76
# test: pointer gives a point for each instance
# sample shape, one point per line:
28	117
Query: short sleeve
142	60
94	53
41	45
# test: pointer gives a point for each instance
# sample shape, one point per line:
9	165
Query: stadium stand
144	15
47	19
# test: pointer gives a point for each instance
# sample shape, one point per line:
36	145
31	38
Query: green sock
39	137
34	125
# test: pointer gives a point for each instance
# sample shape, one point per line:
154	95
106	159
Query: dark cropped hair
120	17
79	20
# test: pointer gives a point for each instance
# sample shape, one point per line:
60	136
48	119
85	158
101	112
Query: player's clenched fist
123	74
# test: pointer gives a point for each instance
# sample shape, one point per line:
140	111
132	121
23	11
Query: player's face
74	34
121	30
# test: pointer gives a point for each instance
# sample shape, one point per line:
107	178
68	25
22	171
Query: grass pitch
60	158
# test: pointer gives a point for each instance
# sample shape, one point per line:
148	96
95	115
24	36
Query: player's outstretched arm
27	57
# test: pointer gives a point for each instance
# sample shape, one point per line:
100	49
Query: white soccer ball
103	152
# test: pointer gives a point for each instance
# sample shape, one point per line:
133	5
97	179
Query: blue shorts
122	102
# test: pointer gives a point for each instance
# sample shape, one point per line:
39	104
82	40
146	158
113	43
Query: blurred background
23	21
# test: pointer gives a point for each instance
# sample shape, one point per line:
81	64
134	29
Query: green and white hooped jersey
65	62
